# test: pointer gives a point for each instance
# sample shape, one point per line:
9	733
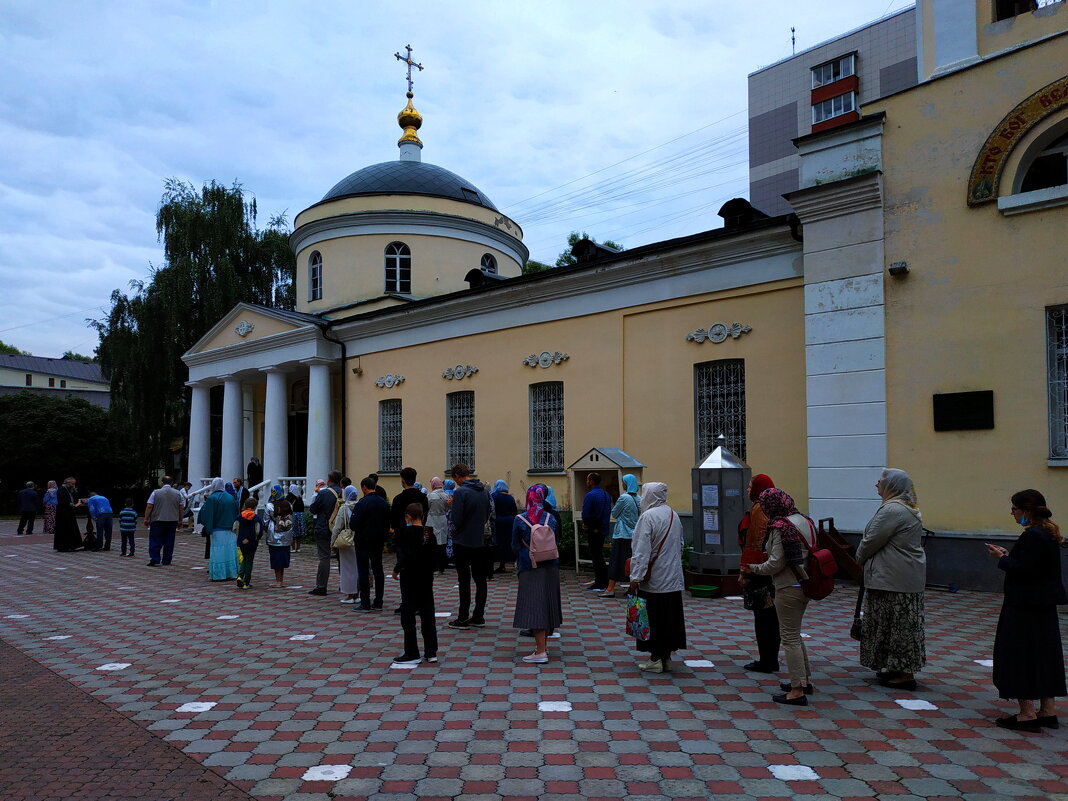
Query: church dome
408	178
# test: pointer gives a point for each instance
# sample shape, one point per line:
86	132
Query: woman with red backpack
537	562
788	543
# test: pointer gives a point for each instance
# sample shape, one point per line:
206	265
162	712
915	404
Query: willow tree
214	257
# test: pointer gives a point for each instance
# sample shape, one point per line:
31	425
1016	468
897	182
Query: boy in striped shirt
128	526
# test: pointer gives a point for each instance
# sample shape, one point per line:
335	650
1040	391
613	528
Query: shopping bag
637	618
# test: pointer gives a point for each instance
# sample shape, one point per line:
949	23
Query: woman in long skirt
297	504
217	516
1028	657
656	577
51	498
505	508
68	536
537	599
348	575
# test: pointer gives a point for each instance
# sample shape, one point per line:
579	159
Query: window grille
389	436
719	406
315	276
547	426
398	269
460	429
1057	343
489	264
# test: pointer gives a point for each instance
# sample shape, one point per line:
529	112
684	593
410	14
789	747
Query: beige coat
891	550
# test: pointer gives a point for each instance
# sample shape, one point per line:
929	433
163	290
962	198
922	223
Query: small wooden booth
612	464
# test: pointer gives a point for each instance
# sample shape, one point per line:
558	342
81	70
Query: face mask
1023	521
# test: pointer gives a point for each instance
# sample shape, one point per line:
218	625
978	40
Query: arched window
1049	168
315	276
398	269
489	264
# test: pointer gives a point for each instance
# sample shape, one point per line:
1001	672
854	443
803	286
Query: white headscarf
217	485
654	494
897	486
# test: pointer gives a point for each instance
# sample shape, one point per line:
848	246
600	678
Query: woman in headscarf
550	505
1028	657
625	513
505	507
437	518
759	591
297	504
895	572
537	600
51	498
279	533
348	577
656	576
231	490
787	550
217	516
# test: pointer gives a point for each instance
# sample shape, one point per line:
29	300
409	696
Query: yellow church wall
995	37
970	314
265	327
354	268
628	383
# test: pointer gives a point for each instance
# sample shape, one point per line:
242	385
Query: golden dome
410	120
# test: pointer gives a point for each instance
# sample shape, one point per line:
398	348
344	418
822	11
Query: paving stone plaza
121	681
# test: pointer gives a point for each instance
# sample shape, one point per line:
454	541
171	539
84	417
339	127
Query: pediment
246	323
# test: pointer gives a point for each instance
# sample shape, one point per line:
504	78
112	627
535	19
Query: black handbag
856	631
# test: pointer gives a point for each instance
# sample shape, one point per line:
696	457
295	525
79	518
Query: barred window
315	276
1057	344
719	406
460	428
398	269
547	426
389	436
489	263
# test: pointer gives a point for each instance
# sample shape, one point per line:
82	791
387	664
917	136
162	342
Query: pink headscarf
535	503
436	483
319	484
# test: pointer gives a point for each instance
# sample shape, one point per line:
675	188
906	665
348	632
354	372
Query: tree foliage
11	350
77	357
532	266
47	438
565	258
215	256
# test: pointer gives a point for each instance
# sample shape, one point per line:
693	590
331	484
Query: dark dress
68	536
1028	658
506	509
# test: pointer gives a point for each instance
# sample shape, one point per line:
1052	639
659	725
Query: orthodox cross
408	60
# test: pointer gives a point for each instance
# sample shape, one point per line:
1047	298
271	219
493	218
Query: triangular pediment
247	323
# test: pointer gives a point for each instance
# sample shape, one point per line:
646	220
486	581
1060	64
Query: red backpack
820	565
542	544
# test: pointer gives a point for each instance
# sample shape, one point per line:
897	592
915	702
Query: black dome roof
408	178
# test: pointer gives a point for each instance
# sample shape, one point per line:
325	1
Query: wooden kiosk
612	464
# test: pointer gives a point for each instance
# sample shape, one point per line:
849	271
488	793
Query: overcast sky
536	103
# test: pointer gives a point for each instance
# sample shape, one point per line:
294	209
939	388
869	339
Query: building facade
57	377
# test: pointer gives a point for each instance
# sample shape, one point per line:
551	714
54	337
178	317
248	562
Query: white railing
300	481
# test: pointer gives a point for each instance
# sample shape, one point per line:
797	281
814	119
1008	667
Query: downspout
344	393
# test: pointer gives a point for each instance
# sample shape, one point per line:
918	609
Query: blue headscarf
630	484
350	493
450	487
230	489
550	496
276	493
500	486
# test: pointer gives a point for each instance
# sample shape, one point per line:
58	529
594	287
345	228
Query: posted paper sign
710	494
711	520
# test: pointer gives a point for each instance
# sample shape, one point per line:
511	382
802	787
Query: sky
622	119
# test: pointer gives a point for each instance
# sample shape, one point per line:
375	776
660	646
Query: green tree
77	357
535	267
214	257
11	350
49	438
565	258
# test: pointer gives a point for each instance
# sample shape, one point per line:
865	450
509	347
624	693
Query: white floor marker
698	663
115	666
90	576
410	666
294	587
807	636
442	614
985	662
914	703
303	637
171	601
61	568
196	706
201	567
326	773
554	706
59	637
16	617
126	588
732	597
227	617
793	773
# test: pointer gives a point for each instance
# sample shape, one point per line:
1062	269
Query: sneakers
240	584
348	600
478	624
362	608
404	659
432	659
376	606
652	666
536	658
463	625
317	591
156	564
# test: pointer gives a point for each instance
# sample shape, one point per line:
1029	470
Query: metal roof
721	459
408	178
619	457
65	368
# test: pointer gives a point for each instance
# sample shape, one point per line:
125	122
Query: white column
320	420
232	434
199	434
275	426
248	438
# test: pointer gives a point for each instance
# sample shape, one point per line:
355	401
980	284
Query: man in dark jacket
472	506
324	507
370	528
408	494
596	519
29	506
